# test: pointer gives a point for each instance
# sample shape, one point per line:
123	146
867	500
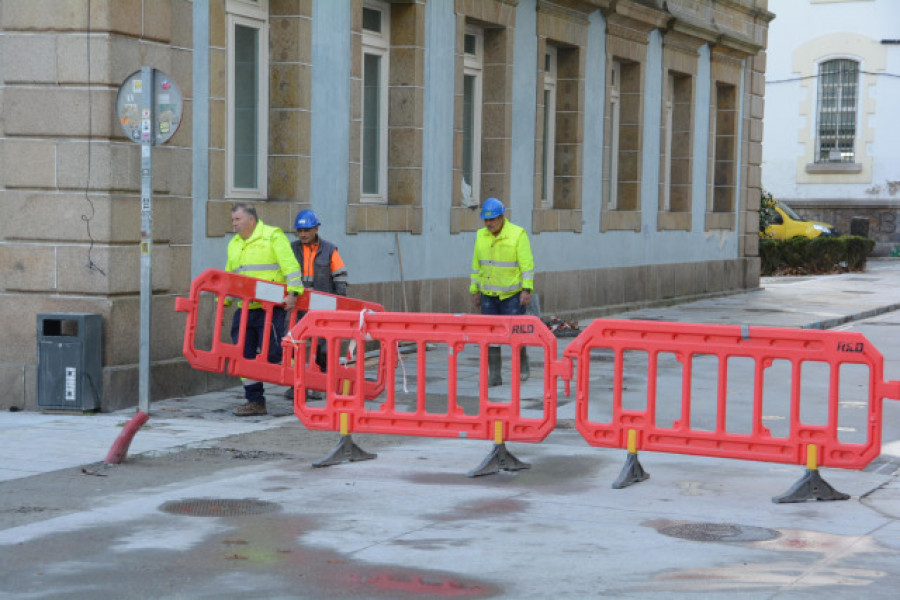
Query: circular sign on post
149	115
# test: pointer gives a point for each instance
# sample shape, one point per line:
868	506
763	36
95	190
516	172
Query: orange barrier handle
184	304
890	389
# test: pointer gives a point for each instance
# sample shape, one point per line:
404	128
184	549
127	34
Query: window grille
838	80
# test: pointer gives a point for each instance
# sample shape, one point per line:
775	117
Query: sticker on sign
270	292
71	384
322	302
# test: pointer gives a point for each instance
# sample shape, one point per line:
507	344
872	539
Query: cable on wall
87	184
803	77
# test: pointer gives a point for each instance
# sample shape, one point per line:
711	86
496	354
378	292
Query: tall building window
549	137
836	130
624	108
614	91
482	107
375	61
473	67
387	99
725	152
248	93
677	142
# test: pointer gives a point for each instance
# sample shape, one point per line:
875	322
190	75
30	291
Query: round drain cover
719	532
218	507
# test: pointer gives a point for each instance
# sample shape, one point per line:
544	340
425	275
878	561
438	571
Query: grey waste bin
69	368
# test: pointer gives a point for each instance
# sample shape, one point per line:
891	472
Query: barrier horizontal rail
503	420
762	345
224	356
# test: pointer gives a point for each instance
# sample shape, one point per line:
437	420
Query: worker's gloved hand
525	297
290	302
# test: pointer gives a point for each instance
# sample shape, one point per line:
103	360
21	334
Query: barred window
836	130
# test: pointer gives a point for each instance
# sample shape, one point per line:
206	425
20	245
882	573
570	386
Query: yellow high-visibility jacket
266	255
502	264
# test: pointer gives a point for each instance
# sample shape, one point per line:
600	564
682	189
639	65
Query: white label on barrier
271	292
70	384
322	302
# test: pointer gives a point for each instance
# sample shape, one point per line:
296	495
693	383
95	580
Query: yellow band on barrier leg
344	428
812	457
346	387
498	432
632	441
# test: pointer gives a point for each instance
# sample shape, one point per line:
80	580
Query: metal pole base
632	472
810	487
500	459
346	449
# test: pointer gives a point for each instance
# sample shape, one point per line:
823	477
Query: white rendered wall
804	33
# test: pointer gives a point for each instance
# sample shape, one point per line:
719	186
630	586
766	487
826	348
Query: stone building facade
625	136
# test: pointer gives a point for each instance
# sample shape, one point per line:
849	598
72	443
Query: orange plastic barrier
347	410
221	355
813	444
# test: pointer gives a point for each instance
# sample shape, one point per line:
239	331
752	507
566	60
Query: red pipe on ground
119	449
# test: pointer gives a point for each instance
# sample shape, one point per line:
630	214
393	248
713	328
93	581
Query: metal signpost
149	107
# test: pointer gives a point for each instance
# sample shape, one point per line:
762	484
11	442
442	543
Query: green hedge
802	255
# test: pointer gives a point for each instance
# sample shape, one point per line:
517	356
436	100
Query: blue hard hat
306	219
492	208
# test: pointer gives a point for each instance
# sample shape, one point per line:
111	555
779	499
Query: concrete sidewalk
411	524
37	443
808	302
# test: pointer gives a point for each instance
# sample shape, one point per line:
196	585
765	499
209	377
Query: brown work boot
250	409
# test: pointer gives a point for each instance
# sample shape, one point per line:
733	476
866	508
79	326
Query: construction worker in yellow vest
502	276
261	251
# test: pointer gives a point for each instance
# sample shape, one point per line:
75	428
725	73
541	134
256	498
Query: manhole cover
719	532
221	507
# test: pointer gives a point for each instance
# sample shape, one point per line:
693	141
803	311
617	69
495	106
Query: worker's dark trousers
493	305
256	322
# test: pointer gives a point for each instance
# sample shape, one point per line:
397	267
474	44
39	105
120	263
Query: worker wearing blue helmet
322	269
502	275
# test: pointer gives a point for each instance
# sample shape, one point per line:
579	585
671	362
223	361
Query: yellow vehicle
787	224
